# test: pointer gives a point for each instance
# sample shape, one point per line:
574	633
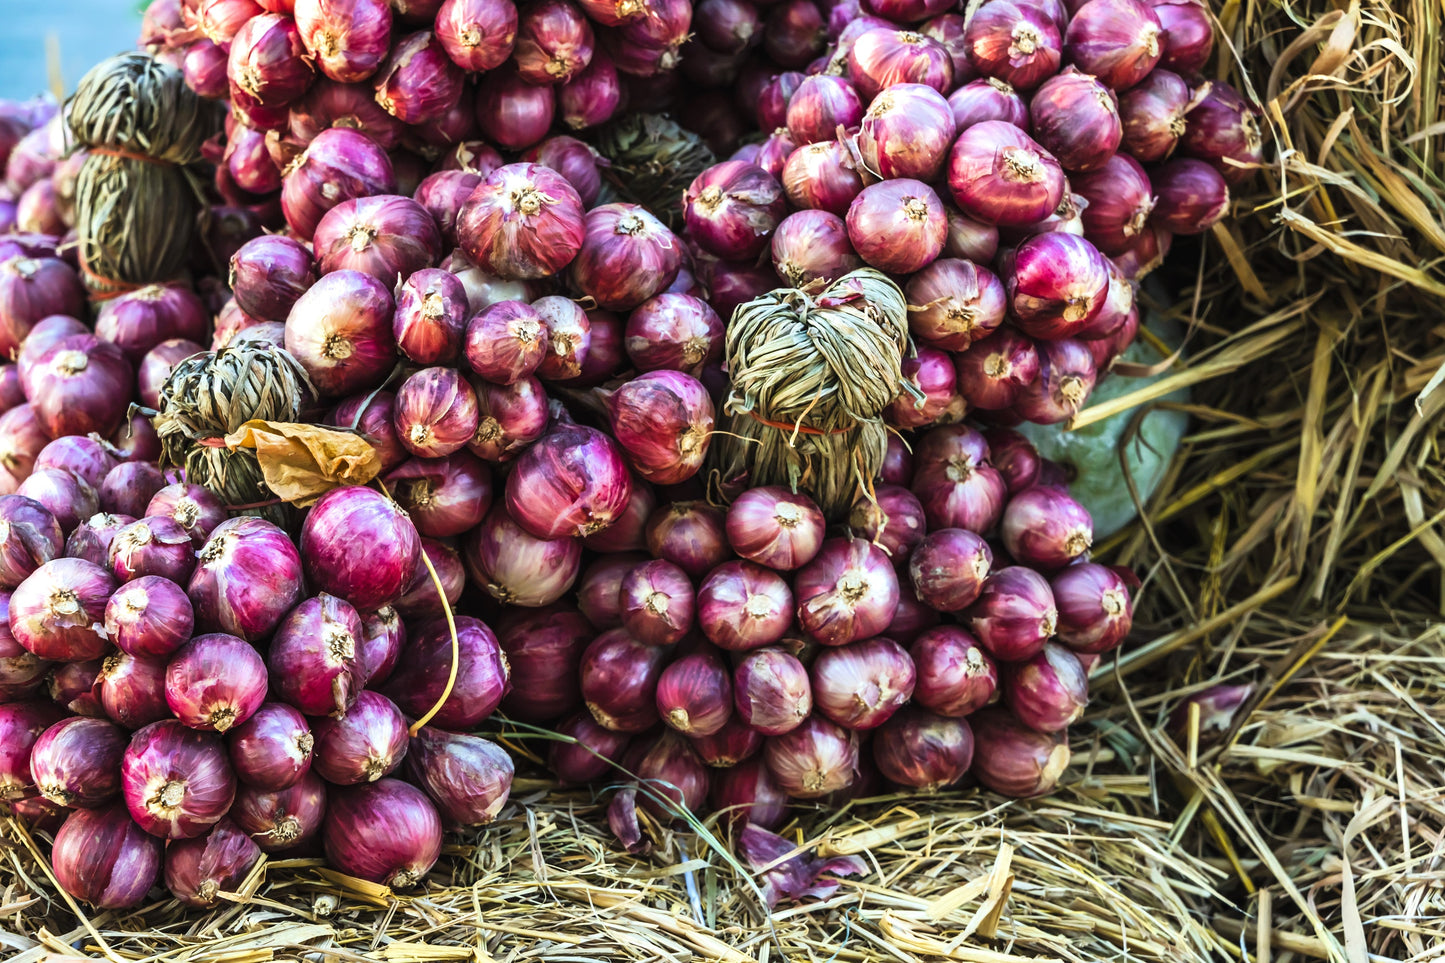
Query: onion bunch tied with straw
812	373
138	199
210	396
652	161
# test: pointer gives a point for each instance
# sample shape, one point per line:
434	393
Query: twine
811	376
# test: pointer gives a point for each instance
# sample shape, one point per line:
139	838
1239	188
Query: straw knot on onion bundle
811	373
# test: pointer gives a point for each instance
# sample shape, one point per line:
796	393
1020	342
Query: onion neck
853	586
1022	164
787	515
1073	391
433	306
286	830
71	362
1078	541
1112	602
64	602
168	798
1025	40
757	607
1048	622
360	237
337	348
222	718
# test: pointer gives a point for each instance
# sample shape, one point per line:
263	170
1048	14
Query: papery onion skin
477	34
272	750
776	528
695	694
418	82
155	545
436	413
524	221
431	310
988	98
483	676
57	610
591	756
268	64
1118	41
177	781
30	536
247	578
341	332
747	793
676	331
627	256
337	165
1076	118
619	681
592	96
516	567
881	58
348	39
822	176
813	760
999	175
387	236
554	42
198	870
369	742
132	690
75	687
862	684
313	657
690	534
956	677
1120	200
22	724
812	245
1046	529
819	106
923	751
387	832
103	858
1015	614
771	691
572	481
954	303
367	580
468	778
215	681
1049	691
77	387
1096	611
948	568
731	208
663	420
1188	35
544	649
1066	378
285	819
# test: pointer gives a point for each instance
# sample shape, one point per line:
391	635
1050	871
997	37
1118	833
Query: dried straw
811	373
138	201
653	160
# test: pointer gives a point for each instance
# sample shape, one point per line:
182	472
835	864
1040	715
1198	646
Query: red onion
923	751
249	163
1066	378
45	334
663	421
772	102
367	743
897	225
590	757
776	528
215	682
340	331
672	777
133	690
512	417
1154	113
221	20
554	42
930	391
592	96
37	212
370	415
821	176
994	371
103	858
268	65
272	750
575	160
674	331
468	777
543	649
568	340
386	236
795	33
627	256
881	58
347	39
477	34
22	724
897	463
731	208
443	194
383	633
329	104
149	617
812	245
953	482
155	545
689	534
513	113
1012	759
1057	284
727	26
1048	691
339	165
74	686
431	309
600	587
892	519
819	106
313	657
1045	528
849	592
1095	610
734	743
21	672
906	132
771	691
443	496
418	82
695	694
284	819
522	221
861	685
572	481
1120	200
1014	615
12	393
743	606
814	759
1218	704
30	536
177	782
950	30
1017	42
199	870
516	567
954	303
1188	34
435	413
1148	252
955	676
651	44
657	603
156	367
387	832
367	580
81	385
1076	118
1192	196
248	575
69	499
629	532
1118	41
746	793
773	153
56	611
619	681
999	175
39	813
22	438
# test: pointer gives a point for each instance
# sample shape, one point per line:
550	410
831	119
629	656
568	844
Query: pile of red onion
405	200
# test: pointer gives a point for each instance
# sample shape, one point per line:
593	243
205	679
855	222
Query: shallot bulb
1066	378
849	592
1076	118
695	694
523	221
177	782
813	760
861	685
248	576
283	819
627	256
468	778
1120	200
76	762
313	657
954	303
731	208
272	750
345	517
348	39
906	132
1045	528
369	742
516	567
691	535
1117	41
812	245
881	58
1095	608
1015	614
663	420
57	611
948	568
619	681
1191	196
771	691
1014	760
435	412
993	372
1056	284
431	316
775	528
214	682
1188	35
923	751
418	82
657	603
954	482
478	35
198	870
999	175
1016	42
1154	115
1048	691
102	857
897	225
482	674
819	106
387	832
554	42
955	675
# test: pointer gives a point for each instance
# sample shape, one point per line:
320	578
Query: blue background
88	30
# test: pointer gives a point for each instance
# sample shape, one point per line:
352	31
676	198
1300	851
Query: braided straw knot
812	373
